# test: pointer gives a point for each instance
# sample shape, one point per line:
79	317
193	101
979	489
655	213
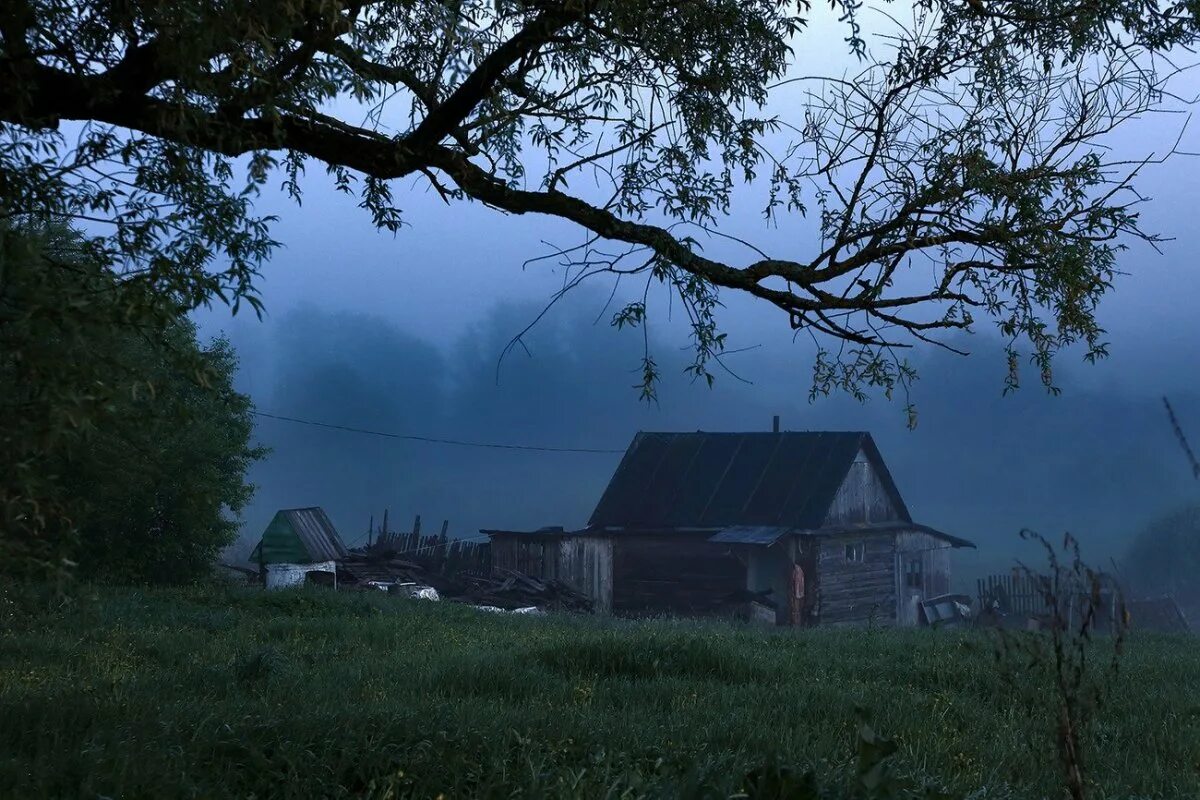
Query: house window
913	574
856	552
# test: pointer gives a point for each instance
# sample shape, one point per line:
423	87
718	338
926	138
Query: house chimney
775	424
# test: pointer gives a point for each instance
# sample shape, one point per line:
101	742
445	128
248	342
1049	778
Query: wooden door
796	595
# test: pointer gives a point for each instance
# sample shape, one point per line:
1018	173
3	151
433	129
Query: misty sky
403	334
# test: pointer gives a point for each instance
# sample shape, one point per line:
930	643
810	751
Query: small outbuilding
298	541
583	559
811	523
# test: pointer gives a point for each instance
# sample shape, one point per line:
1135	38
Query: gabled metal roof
299	535
719	480
316	533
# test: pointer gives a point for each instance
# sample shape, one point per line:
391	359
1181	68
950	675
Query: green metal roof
299	536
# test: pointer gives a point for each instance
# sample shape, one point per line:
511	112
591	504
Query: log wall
856	591
672	574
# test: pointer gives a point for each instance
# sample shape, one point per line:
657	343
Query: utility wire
431	440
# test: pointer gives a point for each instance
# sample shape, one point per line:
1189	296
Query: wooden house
813	522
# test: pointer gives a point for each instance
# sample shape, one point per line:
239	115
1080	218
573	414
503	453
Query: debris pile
512	591
380	571
505	590
748	606
946	610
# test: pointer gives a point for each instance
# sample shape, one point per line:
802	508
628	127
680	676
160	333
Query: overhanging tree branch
961	147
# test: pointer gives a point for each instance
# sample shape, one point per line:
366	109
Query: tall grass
221	692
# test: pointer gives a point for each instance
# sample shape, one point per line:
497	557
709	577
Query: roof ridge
662	483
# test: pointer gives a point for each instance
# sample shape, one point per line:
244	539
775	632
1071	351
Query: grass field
235	693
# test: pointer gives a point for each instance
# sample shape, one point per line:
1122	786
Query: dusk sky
402	333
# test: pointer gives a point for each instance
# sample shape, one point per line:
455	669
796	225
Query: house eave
758	536
892	526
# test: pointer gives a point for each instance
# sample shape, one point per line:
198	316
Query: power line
432	440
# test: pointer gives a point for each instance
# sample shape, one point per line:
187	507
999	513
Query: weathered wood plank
870	560
881	590
880	584
857	591
842	610
672	574
829	604
862	572
828	607
877	579
862	497
586	563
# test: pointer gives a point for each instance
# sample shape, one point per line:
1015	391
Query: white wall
280	576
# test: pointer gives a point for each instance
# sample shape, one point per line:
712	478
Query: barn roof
298	536
718	480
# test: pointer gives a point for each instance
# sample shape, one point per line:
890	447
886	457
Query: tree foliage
124	446
1164	558
959	177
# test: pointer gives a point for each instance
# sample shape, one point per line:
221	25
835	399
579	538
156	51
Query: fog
402	334
1098	460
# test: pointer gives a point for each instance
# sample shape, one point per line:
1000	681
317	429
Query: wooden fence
1023	595
434	552
1015	594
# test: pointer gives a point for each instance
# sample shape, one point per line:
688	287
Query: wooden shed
813	523
296	542
582	560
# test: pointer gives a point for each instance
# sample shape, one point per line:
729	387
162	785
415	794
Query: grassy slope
215	692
